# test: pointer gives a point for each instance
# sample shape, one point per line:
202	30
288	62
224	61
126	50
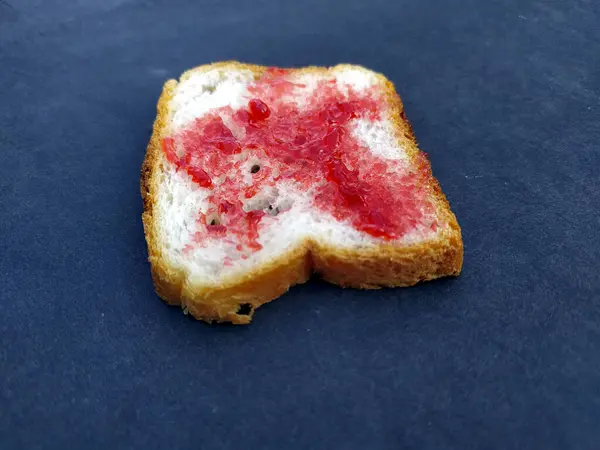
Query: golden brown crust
385	265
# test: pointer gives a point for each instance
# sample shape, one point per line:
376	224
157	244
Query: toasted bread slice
256	177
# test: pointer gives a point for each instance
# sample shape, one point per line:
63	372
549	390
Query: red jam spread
312	144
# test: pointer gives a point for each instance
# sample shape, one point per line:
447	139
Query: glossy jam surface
273	138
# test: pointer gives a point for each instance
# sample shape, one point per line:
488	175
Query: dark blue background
505	98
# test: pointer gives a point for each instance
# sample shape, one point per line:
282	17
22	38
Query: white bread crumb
179	199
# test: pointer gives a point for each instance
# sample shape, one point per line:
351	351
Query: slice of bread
257	177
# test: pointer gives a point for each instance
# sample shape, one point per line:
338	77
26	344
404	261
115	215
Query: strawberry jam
258	110
305	136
